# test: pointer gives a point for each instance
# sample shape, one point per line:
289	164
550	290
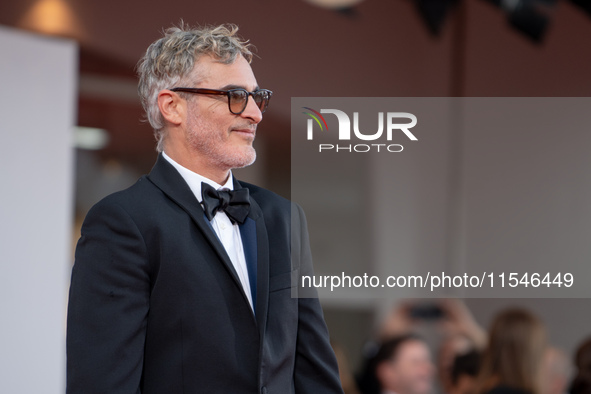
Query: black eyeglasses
237	98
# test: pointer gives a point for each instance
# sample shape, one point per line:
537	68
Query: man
401	365
172	296
408	369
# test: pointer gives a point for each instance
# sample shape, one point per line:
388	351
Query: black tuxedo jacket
156	306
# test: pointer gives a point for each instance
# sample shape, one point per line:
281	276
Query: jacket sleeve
108	305
316	369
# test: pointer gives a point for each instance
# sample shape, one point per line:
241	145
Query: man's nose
252	111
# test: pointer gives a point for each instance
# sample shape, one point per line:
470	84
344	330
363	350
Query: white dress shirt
228	233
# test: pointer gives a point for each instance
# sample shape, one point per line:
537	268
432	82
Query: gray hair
170	59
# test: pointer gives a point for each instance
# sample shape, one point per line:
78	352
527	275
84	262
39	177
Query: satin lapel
262	263
167	179
248	234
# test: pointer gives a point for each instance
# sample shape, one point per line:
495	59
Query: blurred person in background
401	365
345	374
513	360
581	383
464	372
461	335
457	332
555	371
452	347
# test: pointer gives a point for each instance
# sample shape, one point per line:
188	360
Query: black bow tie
236	204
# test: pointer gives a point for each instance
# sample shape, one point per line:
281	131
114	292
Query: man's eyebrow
232	86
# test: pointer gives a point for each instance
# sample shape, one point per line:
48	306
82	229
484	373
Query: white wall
37	104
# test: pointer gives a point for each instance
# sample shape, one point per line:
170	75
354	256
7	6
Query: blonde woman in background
512	361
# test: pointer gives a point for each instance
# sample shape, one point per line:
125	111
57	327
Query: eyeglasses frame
227	93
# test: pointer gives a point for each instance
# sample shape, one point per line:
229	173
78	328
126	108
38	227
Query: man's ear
172	106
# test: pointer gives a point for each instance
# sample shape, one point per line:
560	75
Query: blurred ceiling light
527	16
335	4
52	17
90	138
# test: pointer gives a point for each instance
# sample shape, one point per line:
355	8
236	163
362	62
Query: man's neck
196	164
195	181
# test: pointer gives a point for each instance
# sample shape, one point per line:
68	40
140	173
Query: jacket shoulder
271	203
264	196
130	199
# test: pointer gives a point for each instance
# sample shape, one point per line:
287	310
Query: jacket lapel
167	179
248	234
262	258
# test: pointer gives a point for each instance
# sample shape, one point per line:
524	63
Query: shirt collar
194	180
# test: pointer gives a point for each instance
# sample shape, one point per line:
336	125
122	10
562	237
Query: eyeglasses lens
239	99
261	98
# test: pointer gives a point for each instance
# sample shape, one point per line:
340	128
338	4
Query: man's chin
244	159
